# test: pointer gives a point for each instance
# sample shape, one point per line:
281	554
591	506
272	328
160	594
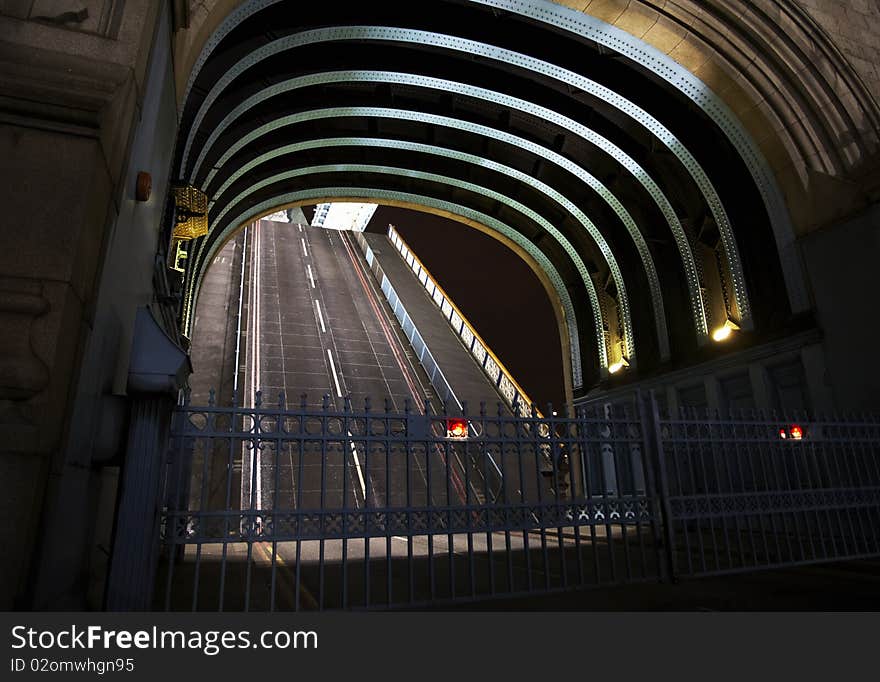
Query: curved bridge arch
545	267
538	111
240	113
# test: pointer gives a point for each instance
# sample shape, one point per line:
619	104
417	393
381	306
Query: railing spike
211	397
407	407
368	404
282	402
325	402
387	406
303	400
258	399
482	408
346	403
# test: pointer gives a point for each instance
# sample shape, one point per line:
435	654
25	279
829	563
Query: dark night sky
498	293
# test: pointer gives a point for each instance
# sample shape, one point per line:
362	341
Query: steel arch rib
412	146
424	148
403	114
571	78
546	265
540	112
446	180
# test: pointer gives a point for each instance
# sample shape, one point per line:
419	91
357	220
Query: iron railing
757	491
287	507
278	507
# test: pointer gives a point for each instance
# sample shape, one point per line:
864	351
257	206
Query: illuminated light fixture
615	367
723	332
456	428
191	213
793	432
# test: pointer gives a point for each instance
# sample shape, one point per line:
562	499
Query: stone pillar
158	371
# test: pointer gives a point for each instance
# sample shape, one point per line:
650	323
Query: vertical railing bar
322	503
723	497
635	432
429	442
539	455
301	440
790	493
466	466
202	494
388	505
574	450
606	441
693	485
408	472
679	426
848	444
251	523
796	489
648	457
782	491
736	468
824	481
850	456
619	470
757	489
701	448
556	454
230	465
767	448
450	538
589	477
347	454
508	510
665	506
487	509
276	485
805	480
823	474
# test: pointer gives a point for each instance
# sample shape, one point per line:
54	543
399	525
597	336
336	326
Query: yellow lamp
724	331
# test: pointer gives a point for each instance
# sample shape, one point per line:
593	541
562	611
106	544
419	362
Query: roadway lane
316	326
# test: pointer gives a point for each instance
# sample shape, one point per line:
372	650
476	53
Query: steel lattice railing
281	506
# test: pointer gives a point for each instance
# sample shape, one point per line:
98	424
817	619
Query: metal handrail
519	400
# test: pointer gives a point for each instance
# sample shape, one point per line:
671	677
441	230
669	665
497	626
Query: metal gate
754	492
287	507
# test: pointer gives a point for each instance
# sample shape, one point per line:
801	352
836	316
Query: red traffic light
793	432
456	428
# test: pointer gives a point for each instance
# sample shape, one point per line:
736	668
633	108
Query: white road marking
333	369
256	464
300	227
357	463
305	250
311	276
320	316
